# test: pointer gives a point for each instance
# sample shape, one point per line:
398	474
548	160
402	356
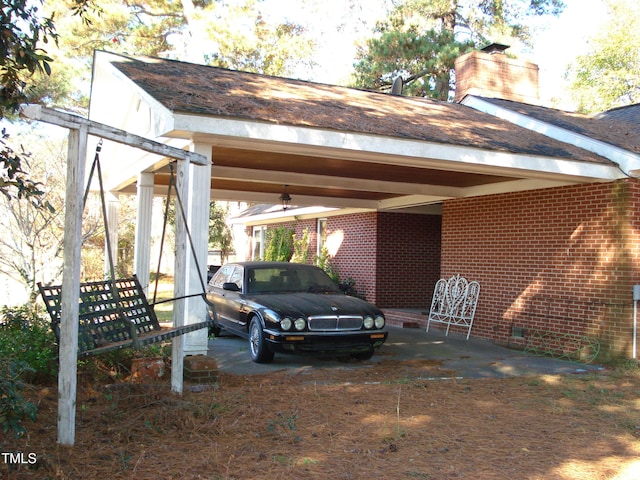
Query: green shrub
325	263
279	245
14	409
301	247
26	337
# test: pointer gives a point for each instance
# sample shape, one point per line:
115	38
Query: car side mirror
230	286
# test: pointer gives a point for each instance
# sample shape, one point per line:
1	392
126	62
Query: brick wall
496	75
393	258
356	256
408	259
561	260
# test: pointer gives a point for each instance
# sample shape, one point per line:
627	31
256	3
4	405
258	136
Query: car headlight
368	322
286	323
300	324
380	322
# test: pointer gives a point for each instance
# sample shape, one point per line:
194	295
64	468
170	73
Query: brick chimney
490	73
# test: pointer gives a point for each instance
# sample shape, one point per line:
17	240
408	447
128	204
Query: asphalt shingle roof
211	91
619	127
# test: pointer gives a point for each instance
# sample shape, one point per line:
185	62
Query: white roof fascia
513	186
297	214
409	201
112	93
626	160
381	149
279	215
145	116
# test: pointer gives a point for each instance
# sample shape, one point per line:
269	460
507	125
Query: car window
288	278
314	279
236	277
221	276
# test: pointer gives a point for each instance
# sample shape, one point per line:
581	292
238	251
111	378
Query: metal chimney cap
495	48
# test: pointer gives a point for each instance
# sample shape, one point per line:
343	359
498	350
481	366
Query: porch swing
114	313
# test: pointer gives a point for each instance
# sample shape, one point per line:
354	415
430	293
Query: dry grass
387	421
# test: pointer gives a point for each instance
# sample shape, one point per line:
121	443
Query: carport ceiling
242	174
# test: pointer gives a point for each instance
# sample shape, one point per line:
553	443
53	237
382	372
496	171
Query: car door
233	301
218	295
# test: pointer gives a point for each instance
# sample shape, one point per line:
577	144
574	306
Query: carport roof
214	91
332	146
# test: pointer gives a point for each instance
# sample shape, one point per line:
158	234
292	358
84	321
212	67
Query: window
236	277
259	234
221	276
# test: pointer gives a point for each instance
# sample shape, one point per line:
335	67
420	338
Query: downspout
636	297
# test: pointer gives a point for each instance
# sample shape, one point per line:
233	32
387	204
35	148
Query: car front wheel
257	347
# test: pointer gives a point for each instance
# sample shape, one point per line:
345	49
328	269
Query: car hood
310	304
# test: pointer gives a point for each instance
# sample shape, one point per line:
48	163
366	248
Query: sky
558	42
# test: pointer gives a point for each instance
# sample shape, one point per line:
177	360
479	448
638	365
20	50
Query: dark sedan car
293	308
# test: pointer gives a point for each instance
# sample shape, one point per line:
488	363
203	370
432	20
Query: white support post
196	343
67	376
113	210
180	277
142	247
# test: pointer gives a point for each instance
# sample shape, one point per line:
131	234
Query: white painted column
180	277
113	209
196	343
67	375
142	247
193	187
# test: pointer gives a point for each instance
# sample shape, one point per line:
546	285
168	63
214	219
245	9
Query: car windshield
289	278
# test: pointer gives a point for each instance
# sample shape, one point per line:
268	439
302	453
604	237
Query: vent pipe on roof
396	88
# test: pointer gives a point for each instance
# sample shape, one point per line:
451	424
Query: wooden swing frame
79	130
114	313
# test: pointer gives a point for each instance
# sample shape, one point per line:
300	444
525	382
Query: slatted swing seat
115	313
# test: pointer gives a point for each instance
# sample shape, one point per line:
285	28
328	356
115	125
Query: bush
14	409
279	245
26	338
324	262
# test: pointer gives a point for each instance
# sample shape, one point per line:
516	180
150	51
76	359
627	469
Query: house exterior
538	205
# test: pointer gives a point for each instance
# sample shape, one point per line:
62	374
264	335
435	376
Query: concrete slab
473	358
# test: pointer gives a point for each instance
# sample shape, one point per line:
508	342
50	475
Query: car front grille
332	323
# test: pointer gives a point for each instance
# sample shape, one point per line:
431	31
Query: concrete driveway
473	358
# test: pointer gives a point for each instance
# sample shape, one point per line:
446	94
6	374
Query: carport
326	145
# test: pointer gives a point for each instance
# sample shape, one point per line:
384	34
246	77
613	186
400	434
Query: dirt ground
390	421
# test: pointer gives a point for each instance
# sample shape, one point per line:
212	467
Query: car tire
257	346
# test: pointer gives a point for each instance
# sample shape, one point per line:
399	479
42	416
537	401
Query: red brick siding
408	259
356	258
561	260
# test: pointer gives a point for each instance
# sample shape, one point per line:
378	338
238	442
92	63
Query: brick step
406	318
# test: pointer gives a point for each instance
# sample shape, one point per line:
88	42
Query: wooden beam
67	375
74	122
